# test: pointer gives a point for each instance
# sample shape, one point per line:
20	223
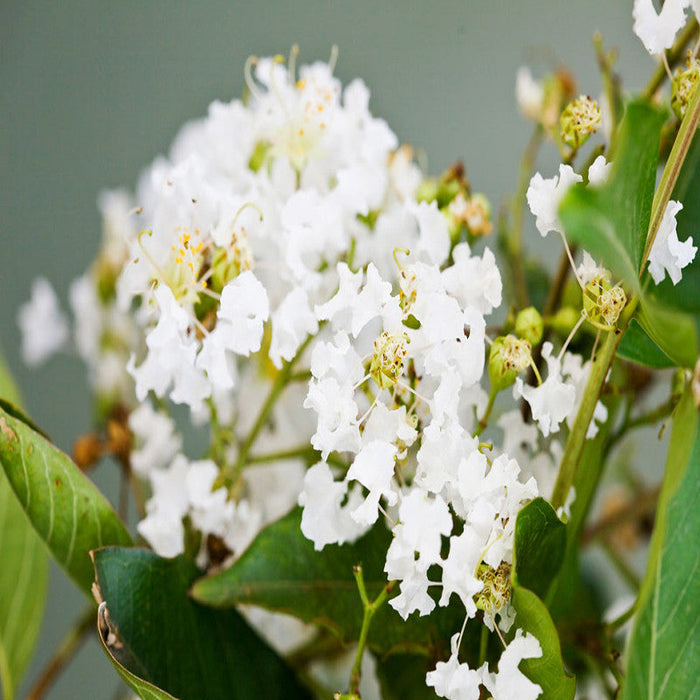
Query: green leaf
165	638
8	388
637	346
611	222
65	508
547	670
110	644
23	575
402	677
540	542
570	598
663	656
23	583
281	571
674	332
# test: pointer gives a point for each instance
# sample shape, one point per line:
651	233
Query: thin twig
69	647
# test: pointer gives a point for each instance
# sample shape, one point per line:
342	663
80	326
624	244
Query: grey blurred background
93	90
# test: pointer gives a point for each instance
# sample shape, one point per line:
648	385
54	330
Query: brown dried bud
87	449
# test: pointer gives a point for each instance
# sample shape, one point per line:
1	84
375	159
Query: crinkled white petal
668	254
43	325
544	196
658	30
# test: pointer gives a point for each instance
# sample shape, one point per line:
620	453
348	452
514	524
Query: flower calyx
603	303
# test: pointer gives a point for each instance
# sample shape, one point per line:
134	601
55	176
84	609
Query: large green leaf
548	670
110	644
637	346
164	638
23	574
540	542
281	571
674	332
23	582
66	509
569	599
663	657
611	222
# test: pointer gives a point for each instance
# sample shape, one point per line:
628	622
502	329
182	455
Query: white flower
589	269
170	358
43	325
668	254
434	235
553	400
244	307
292	321
324	520
373	467
473	280
529	94
162	528
598	171
544	196
158	438
459	569
454	680
658	31
510	682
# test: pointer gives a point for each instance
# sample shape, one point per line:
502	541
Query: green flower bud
683	87
564	320
508	356
529	325
427	190
105	275
579	119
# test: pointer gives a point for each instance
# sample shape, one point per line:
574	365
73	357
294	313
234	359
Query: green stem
514	237
484	420
483	644
68	648
674	53
305	452
228	476
594	386
611	85
649	418
671	171
370	607
623	568
618	622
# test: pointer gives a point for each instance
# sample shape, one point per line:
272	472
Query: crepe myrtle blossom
456	681
279	251
529	94
658	30
553	400
42	323
668	254
544	195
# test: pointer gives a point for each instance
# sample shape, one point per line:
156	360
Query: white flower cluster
280	251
